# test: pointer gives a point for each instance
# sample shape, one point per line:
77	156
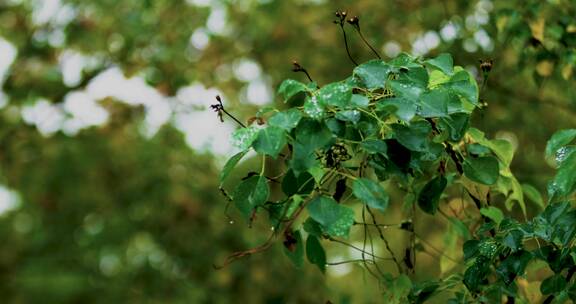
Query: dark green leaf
229	166
513	266
359	101
430	195
457	125
312	227
471	249
270	141
434	103
286	120
335	219
315	252
476	274
553	284
352	116
251	193
564	182
371	193
464	85
373	74
558	140
401	107
483	170
289	88
374	146
303	184
413	137
294	248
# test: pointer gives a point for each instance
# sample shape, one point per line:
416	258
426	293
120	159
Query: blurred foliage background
109	154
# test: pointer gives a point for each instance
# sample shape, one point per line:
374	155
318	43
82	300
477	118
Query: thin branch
356	248
341	22
355	22
384	240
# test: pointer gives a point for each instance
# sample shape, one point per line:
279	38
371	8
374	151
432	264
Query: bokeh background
109	153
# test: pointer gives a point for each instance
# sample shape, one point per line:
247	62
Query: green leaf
335	219
434	103
229	166
513	266
564	182
534	195
443	62
315	253
411	84
401	107
295	251
303	184
463	85
397	289
502	148
553	284
558	140
373	74
251	193
456	124
286	120
430	195
336	94
270	141
483	170
374	146
312	227
359	101
476	274
371	193
352	116
314	108
413	137
244	137
493	213
310	135
289	88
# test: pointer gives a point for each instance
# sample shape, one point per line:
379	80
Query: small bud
486	65
337	14
343	14
354	21
218	98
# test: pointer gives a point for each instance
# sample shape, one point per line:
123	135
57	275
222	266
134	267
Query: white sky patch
9	200
201	3
133	91
8	52
392	48
71	63
84	112
247	70
258	92
47	118
203	129
423	44
200	39
45	10
482	38
197	95
449	31
216	23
